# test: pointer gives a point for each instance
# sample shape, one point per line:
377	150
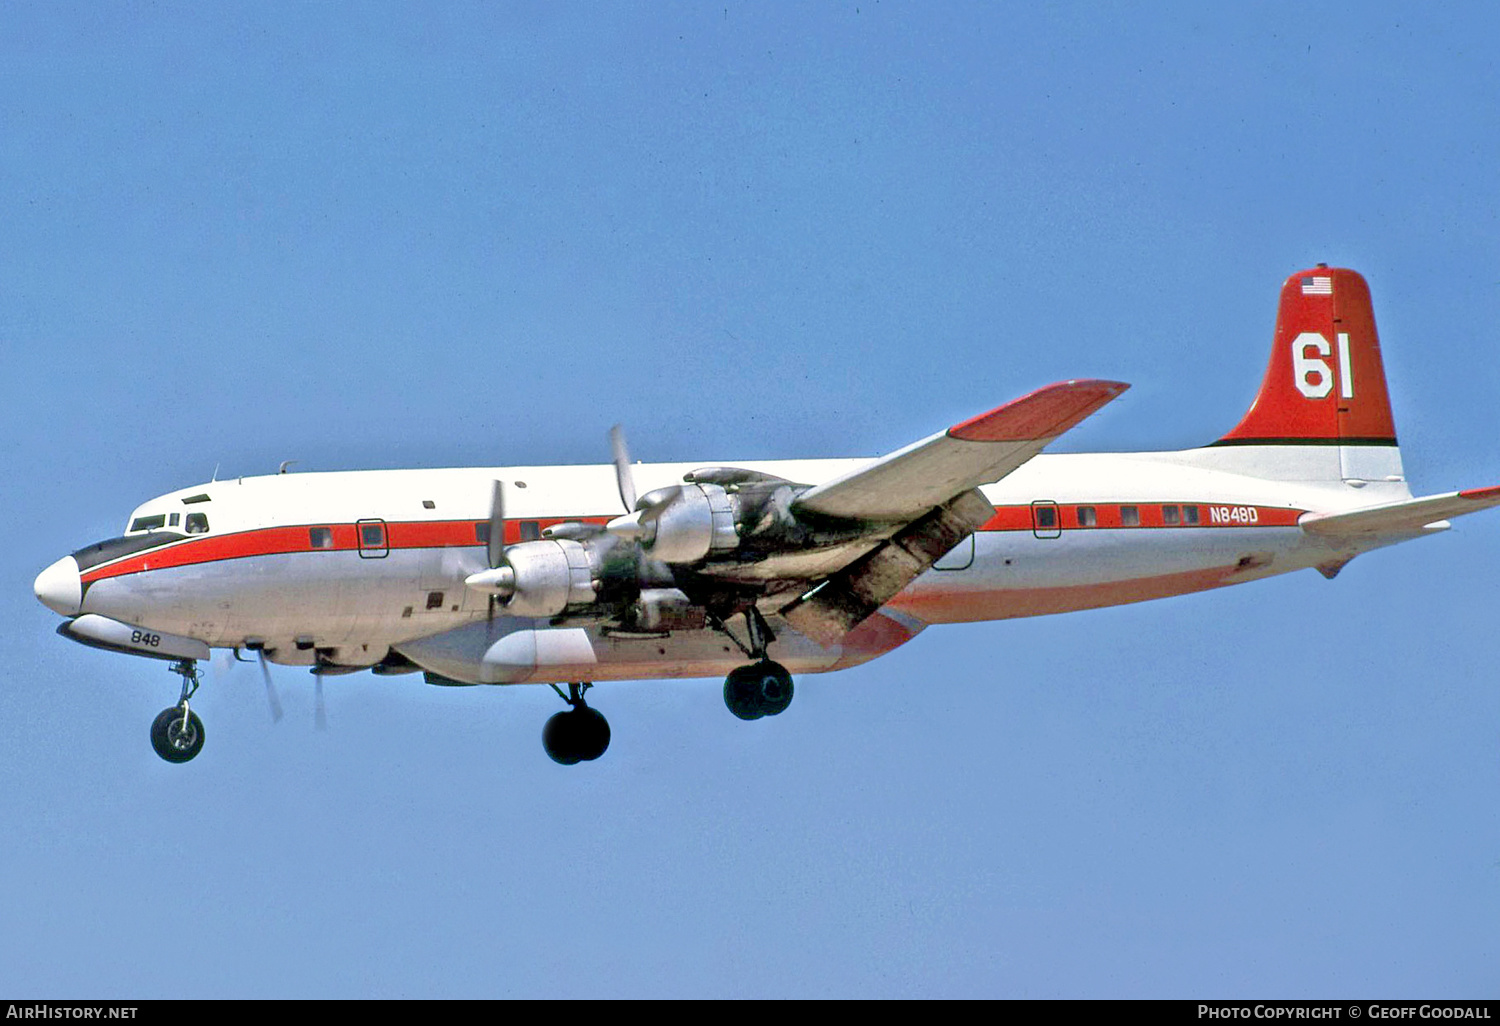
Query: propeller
496	546
320	715
499	580
272	699
623	477
640	513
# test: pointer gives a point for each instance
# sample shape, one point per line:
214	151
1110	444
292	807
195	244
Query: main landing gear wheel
578	734
764	687
177	734
761	689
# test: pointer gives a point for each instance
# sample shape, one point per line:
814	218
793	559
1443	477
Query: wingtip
1045	413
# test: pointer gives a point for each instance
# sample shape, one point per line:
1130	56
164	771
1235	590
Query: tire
558	739
580	734
774	687
172	738
592	733
742	693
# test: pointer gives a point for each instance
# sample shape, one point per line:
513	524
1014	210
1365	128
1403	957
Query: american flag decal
1317	286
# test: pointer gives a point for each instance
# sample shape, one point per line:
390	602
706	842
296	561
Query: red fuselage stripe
268	541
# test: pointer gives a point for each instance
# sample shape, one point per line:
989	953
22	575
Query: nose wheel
579	733
177	732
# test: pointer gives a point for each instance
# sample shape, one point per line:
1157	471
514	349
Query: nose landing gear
177	732
579	734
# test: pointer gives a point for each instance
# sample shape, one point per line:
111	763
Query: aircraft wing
911	481
929	490
1408	515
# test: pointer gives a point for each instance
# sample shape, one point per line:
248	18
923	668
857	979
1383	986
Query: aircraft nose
59	587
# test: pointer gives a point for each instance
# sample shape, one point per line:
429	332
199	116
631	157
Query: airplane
572	575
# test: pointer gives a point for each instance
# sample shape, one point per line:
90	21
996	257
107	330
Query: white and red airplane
510	575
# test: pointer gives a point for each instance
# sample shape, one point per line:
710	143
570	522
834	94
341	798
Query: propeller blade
320	718
272	698
496	548
623	476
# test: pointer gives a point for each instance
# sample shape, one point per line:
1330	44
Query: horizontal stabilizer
925	474
1398	517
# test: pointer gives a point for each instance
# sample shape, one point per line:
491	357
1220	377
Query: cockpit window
114	548
149	523
197	523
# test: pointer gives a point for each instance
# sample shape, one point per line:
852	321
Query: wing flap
1397	517
911	481
846	598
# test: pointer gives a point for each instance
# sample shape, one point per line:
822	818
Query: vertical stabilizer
1325	385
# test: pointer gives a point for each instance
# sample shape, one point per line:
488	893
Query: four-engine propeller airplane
758	570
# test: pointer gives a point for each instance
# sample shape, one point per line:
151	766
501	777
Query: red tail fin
1326	383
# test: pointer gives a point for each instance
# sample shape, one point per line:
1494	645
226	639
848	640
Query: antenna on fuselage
284	464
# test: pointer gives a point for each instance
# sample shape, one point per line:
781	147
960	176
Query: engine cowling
682	523
548	577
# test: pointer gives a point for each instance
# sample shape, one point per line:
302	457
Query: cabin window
372	539
320	537
1045	521
173	519
1087	517
482	532
1190	514
1130	516
531	530
197	523
1170	515
149	523
434	600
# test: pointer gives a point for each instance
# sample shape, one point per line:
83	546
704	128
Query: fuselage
346	568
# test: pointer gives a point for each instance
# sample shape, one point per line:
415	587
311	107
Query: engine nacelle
550	576
684	523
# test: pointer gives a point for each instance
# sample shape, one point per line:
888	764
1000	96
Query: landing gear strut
177	732
764	688
580	734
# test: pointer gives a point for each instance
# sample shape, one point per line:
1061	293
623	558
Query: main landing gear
764	688
580	734
760	689
177	732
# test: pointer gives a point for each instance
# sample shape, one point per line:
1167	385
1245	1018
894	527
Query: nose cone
59	587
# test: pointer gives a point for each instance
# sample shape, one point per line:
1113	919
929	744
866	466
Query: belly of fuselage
1018	574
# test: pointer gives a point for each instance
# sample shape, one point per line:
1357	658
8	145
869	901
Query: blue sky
376	236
